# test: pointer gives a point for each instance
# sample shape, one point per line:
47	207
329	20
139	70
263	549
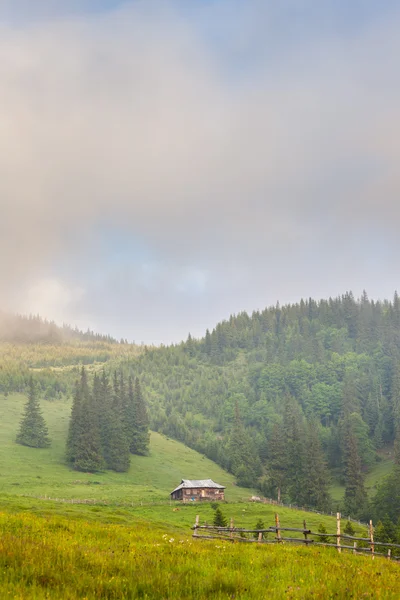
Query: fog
161	168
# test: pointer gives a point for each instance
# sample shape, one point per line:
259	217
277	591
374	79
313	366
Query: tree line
109	422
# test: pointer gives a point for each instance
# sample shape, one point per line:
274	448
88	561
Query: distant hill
33	329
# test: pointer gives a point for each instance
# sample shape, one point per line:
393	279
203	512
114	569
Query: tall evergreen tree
295	451
84	449
244	461
114	442
33	430
75	423
317	482
137	419
277	461
355	497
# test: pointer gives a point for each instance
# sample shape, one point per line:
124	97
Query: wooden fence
239	534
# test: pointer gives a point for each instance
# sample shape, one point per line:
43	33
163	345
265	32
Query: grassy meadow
43	472
66	558
138	544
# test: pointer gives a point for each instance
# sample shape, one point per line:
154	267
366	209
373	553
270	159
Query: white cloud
247	186
52	298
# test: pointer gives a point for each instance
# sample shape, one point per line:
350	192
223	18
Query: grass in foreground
64	559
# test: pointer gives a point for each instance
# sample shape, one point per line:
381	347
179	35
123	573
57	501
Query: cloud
253	167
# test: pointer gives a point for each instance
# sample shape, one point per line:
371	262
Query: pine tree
137	420
260	525
277	463
75	424
349	529
114	441
84	444
295	451
324	539
33	431
207	343
219	519
385	531
244	462
317	483
355	494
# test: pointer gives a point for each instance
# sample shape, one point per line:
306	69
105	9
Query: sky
164	164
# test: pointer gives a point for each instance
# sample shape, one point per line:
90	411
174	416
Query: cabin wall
198	494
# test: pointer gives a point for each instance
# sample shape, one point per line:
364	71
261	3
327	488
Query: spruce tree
118	445
295	451
75	424
244	462
349	529
355	497
114	442
317	483
33	430
84	445
138	433
219	518
277	463
260	525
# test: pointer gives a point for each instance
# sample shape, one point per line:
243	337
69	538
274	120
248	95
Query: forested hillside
278	395
283	398
32	345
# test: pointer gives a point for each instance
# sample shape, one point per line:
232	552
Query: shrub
349	529
219	518
260	525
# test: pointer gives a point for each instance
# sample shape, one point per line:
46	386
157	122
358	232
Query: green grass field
138	544
43	472
60	558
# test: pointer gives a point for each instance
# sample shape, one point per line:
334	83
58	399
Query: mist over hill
34	329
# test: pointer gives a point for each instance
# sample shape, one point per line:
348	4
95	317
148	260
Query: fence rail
239	534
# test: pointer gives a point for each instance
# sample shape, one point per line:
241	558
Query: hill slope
42	472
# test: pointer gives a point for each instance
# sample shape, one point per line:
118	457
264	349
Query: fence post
231	527
260	536
338	532
304	532
196	524
277	525
371	537
355	548
389	553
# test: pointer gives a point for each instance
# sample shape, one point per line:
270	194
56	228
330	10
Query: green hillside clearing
43	472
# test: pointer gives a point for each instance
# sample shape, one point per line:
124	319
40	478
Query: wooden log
353	537
338	532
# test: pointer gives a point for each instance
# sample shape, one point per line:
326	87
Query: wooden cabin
191	490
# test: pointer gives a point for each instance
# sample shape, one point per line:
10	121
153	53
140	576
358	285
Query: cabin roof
198	483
